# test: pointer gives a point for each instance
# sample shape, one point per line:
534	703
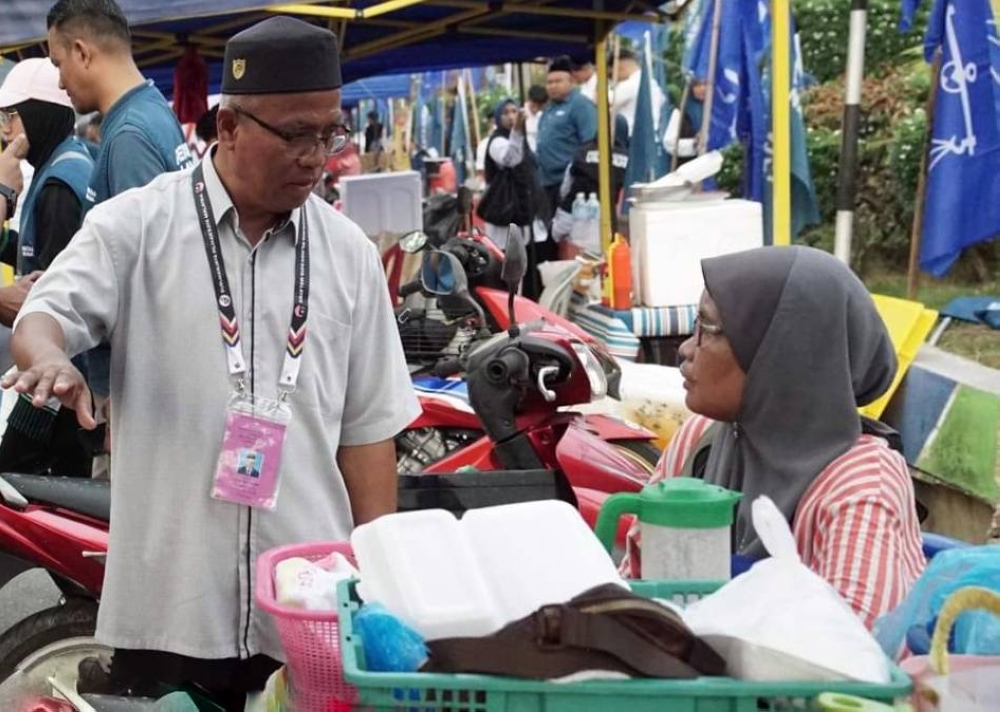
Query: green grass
973	341
966	444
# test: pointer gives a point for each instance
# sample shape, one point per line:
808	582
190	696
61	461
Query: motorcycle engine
417	449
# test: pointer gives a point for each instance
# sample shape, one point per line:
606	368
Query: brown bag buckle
548	627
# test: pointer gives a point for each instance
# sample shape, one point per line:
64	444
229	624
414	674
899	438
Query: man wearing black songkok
242	243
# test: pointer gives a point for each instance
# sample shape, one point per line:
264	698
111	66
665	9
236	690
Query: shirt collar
222	204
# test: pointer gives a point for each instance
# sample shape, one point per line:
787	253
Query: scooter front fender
590	462
608	427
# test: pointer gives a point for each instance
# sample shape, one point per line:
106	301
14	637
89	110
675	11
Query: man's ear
226	123
82	52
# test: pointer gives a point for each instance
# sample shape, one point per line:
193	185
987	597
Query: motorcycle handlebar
447	367
409	288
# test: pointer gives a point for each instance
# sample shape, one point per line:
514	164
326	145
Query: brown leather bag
604	628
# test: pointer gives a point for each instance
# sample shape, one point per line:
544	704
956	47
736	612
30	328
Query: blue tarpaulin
416	38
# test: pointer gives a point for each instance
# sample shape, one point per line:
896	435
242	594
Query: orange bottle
621	274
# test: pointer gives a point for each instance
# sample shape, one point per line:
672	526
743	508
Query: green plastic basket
426	692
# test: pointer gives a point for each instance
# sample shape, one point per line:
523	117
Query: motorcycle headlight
594	369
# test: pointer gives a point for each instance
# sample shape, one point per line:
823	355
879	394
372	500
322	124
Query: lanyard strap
224	297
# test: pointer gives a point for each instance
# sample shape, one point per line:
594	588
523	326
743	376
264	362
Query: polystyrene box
670	239
383	202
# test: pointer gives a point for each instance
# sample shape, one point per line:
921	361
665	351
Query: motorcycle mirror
441	273
413	242
515	265
515	259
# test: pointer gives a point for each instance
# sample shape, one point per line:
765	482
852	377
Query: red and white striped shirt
856	525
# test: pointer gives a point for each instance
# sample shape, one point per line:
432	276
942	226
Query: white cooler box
383	202
670	239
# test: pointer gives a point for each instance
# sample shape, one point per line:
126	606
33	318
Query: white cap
35	78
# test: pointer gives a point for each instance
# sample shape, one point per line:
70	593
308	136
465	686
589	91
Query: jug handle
612	510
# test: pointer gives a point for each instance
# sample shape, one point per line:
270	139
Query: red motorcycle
518	383
450	434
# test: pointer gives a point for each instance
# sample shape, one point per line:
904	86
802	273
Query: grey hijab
806	333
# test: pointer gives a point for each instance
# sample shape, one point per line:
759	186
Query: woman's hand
10	163
522	116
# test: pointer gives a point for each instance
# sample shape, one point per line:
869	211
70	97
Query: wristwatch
11	195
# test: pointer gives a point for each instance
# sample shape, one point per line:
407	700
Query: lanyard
224	298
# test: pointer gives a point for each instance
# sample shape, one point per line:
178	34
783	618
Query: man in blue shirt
90	43
569	121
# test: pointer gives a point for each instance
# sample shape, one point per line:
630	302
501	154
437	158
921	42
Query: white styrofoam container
383	202
670	239
450	578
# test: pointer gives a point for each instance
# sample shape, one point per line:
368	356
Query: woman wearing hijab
513	195
33	106
788	345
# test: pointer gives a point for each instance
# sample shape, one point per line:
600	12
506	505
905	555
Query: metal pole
781	117
685	97
713	63
851	125
604	138
916	234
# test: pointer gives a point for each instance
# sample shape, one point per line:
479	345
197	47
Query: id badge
249	466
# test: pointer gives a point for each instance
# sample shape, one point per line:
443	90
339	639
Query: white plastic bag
779	621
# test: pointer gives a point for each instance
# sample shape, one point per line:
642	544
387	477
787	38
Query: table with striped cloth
621	330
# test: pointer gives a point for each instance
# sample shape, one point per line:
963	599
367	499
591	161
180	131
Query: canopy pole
521	82
604	141
713	63
781	111
850	130
685	97
916	234
475	107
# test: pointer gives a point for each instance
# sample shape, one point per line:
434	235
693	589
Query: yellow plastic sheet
909	323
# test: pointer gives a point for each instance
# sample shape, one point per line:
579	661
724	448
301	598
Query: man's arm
379	402
585	115
370	476
133	162
39	349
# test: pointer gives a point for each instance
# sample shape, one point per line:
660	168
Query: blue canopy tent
377	37
391	86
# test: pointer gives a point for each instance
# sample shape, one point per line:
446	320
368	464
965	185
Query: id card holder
249	466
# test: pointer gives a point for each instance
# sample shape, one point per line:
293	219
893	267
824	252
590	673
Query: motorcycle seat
77	494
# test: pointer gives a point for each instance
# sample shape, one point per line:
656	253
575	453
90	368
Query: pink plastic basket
311	639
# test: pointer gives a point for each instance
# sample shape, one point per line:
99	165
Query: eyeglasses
701	327
6	117
303	144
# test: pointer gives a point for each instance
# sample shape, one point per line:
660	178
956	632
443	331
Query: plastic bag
957	683
780	621
975	633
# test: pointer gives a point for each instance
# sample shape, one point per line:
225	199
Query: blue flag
644	161
907	12
962	206
805	206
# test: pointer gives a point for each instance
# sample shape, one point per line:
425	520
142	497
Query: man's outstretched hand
55	376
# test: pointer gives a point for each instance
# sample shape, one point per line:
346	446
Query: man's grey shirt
181	565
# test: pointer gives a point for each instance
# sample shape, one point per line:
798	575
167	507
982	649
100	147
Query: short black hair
373	115
626	53
103	20
537	94
206	126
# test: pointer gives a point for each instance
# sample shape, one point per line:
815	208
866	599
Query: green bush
823	28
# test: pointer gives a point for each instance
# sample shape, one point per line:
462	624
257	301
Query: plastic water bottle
592	242
580	215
